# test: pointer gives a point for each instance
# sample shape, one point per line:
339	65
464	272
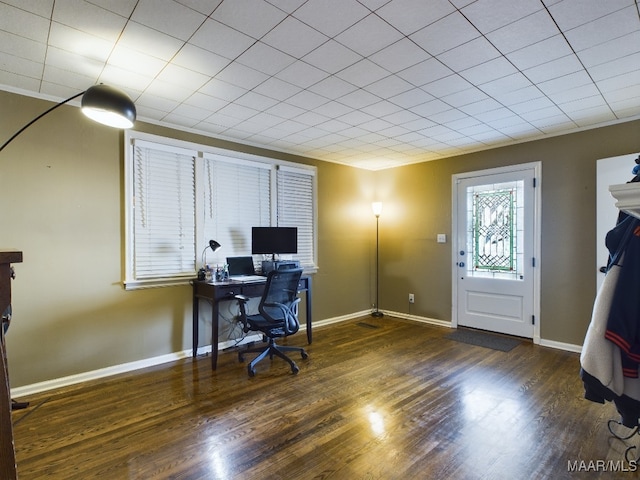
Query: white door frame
537	213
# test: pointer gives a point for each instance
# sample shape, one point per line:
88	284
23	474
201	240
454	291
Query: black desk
213	292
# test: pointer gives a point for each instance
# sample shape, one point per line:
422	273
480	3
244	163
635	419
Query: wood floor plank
391	399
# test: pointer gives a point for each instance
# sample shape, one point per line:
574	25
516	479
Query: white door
495	241
609	171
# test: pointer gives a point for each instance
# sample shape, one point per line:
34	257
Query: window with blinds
179	196
295	208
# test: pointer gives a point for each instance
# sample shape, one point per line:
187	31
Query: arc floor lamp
377	210
109	106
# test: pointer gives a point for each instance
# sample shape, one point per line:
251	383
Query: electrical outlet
412	299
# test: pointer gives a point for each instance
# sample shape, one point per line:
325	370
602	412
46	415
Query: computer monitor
274	240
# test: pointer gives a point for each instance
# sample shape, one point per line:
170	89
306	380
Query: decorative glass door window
494	230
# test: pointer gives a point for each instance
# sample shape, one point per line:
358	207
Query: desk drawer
253	290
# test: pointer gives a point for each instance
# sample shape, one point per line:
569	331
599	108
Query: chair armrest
241	298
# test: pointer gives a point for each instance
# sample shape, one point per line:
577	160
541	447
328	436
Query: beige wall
418	205
62	206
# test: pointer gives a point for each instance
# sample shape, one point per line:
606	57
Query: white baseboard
172	357
149	362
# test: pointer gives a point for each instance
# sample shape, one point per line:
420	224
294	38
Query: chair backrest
280	300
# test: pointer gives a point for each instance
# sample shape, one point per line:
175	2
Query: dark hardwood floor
398	401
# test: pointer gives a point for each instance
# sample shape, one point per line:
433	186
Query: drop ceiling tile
223	90
564	83
409	16
288	6
489	71
615	49
469	55
74	63
311	119
24	24
257	101
332	87
42	8
169	17
294	37
22	47
125	79
331	16
276	88
527	31
582	103
464	97
425	72
89	18
200	60
534	115
83	44
621	66
169	90
221	39
265	120
253	17
301	74
307	100
363	73
355	117
399	56
333	109
206	7
411	98
265	59
631	79
502	86
369	35
332	57
20	66
490	15
389	87
132	60
572	14
517	96
430	108
539	53
147	40
604	29
381	108
447	86
193	113
242	76
235	110
554	69
531	105
201	100
436	38
285	111
483	106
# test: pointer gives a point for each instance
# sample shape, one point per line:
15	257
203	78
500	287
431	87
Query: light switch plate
442	238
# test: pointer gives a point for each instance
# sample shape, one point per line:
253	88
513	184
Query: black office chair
278	317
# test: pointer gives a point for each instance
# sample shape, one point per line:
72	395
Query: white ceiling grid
368	83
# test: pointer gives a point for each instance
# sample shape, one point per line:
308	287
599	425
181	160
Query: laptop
242	269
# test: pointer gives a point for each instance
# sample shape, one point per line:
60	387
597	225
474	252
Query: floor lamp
377	210
103	104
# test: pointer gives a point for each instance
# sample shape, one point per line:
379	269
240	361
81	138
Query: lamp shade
109	106
214	245
377	208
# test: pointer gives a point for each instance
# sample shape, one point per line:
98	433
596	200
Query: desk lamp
214	246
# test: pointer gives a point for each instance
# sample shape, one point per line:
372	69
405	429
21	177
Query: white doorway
609	171
496	250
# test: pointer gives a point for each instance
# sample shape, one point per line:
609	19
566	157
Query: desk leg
214	335
194	327
309	335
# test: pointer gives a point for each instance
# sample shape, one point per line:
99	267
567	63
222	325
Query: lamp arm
38	118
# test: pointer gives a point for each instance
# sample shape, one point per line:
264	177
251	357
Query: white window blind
181	195
295	207
163	212
237	197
